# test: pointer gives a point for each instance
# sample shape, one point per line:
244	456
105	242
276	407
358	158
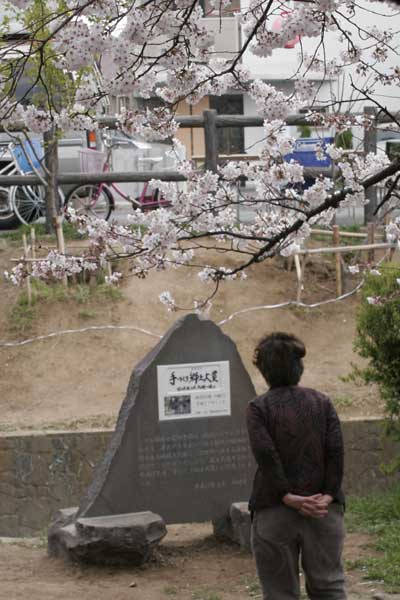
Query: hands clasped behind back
315	506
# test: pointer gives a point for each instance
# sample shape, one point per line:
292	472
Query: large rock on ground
241	524
128	538
235	526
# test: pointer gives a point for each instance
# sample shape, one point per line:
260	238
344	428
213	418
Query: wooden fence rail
83	178
195	121
345	249
301	258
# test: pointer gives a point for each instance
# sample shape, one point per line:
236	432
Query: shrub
378	339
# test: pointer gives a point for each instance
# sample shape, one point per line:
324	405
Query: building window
230	139
123	103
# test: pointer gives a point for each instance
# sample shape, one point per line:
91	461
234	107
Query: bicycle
8	218
97	199
28	202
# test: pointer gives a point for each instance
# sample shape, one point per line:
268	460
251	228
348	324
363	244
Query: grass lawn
379	516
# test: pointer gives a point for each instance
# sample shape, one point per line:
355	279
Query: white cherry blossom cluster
37	120
10	111
271	103
157	124
79	44
304	21
98	8
18	274
380	53
86	94
135	30
351	55
75	119
393	230
54	267
334	152
277	143
312	62
341	121
113	279
305	89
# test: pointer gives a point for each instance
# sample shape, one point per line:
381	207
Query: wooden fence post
371	240
370	140
33	242
60	241
28	279
210	140
52	198
338	261
300	275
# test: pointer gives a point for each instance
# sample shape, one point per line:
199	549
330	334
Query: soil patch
190	565
79	380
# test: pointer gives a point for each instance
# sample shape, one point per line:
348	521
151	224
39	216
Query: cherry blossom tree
164	49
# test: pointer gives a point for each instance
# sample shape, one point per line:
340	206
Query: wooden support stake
338	261
300	274
371	240
386	223
289	263
28	279
60	241
33	242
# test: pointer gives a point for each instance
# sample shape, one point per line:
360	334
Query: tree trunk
53	207
370	141
53	199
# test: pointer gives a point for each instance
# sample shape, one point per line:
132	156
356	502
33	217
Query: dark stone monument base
235	526
126	539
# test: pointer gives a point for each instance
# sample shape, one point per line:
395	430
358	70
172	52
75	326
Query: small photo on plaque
193	390
177	405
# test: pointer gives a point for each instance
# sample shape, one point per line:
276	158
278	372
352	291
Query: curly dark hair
278	357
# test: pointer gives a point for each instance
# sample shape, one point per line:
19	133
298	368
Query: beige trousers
281	537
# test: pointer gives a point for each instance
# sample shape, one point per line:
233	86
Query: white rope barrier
83	330
291	303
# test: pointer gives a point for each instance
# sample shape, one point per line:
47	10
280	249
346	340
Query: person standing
297	503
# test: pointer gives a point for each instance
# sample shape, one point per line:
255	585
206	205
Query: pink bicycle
97	199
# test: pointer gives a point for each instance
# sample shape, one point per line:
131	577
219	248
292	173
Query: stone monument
180	448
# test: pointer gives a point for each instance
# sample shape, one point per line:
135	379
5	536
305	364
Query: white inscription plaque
189	391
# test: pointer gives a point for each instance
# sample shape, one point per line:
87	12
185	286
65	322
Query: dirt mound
79	380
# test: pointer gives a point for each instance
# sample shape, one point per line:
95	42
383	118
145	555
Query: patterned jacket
296	438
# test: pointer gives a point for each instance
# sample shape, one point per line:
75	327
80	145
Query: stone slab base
126	539
235	526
